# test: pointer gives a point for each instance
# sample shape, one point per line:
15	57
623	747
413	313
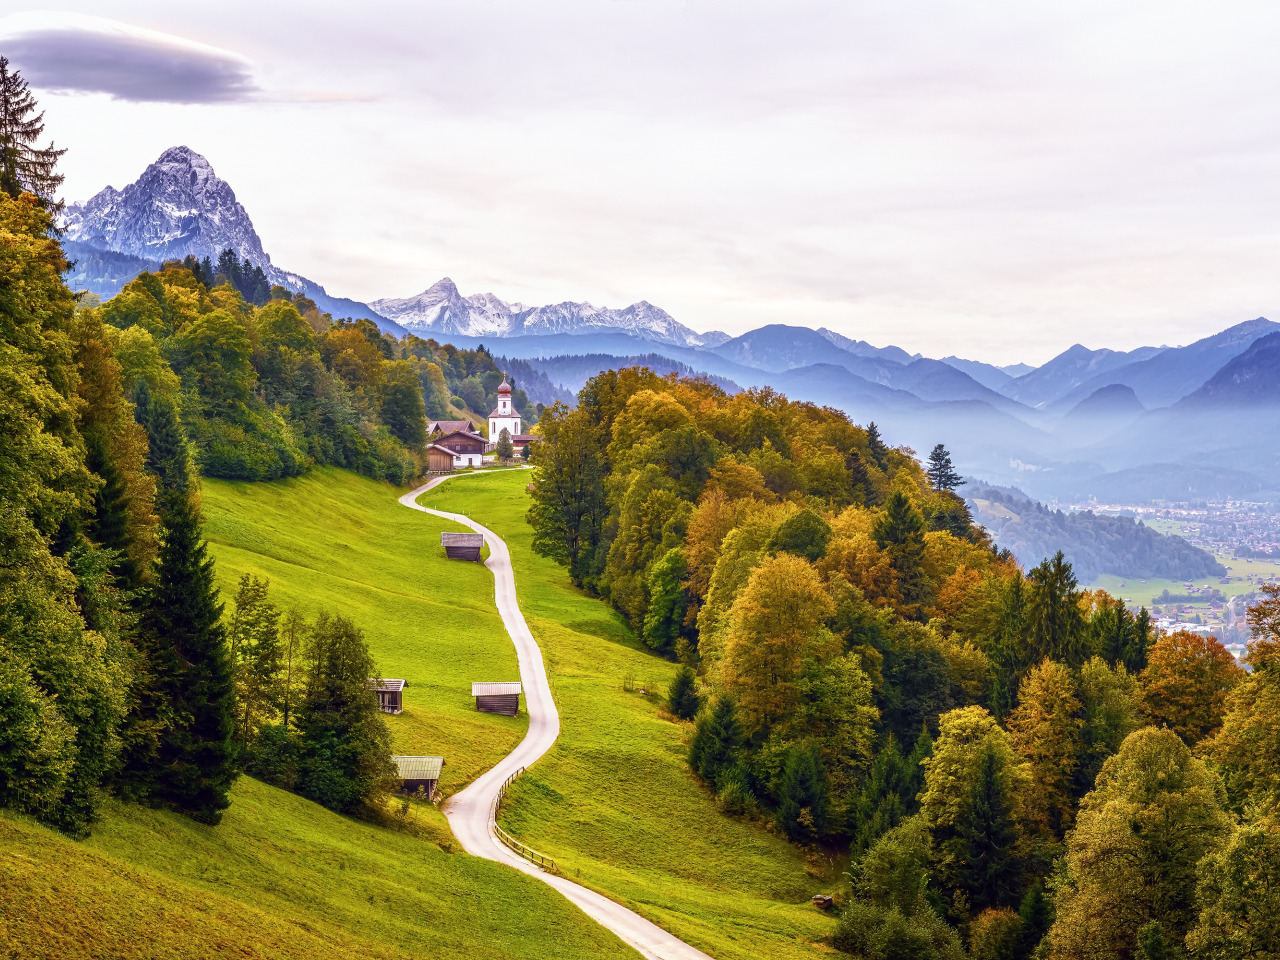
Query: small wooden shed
439	460
390	694
501	698
419	772
462	546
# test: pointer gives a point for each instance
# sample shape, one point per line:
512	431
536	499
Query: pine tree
682	695
716	740
989	867
24	167
109	527
257	655
941	473
191	672
1053	613
899	532
876	445
168	455
802	806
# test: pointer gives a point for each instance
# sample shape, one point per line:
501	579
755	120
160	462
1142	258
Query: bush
873	933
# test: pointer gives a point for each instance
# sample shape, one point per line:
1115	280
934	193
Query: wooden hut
419	772
462	546
439	460
467	448
501	698
390	694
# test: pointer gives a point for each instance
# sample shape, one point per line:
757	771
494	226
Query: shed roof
395	686
451	426
419	768
494	689
461	539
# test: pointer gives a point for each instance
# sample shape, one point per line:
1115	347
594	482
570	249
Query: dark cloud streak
65	59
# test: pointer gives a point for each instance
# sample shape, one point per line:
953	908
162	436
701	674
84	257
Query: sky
995	180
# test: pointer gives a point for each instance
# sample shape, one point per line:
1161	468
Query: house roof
461	539
460	434
393	686
494	689
419	768
451	426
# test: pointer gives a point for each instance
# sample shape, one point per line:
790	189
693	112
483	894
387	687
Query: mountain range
1198	421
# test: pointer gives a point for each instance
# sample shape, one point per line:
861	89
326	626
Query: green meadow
337	541
279	878
614	802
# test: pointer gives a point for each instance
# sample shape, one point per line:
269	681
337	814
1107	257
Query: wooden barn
390	694
419	772
462	546
439	460
501	698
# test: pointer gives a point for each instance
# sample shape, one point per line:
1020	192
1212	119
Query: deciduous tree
1186	683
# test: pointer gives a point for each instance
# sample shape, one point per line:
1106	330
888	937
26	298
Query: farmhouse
467	448
462	546
504	416
501	698
390	694
438	428
419	773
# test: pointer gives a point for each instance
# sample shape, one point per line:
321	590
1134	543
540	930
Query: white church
504	416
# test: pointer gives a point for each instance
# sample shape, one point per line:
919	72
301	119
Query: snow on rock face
442	309
177	207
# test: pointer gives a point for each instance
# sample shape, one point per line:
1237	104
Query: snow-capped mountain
441	309
179	206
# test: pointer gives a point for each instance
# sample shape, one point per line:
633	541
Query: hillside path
470	811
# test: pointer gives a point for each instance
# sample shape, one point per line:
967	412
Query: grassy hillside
332	539
279	878
613	801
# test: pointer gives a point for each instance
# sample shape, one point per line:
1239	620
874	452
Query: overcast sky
994	180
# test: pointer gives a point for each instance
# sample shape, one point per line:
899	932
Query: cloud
78	53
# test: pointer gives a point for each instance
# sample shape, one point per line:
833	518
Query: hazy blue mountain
1112	402
572	372
1251	379
860	348
1175	372
1065	372
989	376
177	207
1018	369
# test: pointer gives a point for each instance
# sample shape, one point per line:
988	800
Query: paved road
470	811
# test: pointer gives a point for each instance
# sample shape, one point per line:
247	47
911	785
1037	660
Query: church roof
506	387
495	414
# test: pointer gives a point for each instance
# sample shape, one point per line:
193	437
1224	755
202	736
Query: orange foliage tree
1186	682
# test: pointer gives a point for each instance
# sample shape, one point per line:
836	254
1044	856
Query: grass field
613	802
338	541
279	878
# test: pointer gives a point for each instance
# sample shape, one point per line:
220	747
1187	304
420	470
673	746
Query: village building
501	698
438	428
462	546
467	448
419	773
504	416
390	694
439	460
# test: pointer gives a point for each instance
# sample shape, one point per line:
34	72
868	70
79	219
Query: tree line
863	668
120	673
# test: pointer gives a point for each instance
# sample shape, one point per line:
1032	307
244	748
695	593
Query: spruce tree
716	740
989	867
682	695
109	527
190	672
802	806
504	450
876	445
25	167
899	532
940	471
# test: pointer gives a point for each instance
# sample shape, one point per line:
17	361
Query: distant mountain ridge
441	309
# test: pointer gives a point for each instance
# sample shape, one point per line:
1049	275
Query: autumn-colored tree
1131	860
1247	747
1045	730
1239	896
1111	703
777	626
1186	683
974	777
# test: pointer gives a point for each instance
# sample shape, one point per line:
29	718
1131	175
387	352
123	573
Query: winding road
470	811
